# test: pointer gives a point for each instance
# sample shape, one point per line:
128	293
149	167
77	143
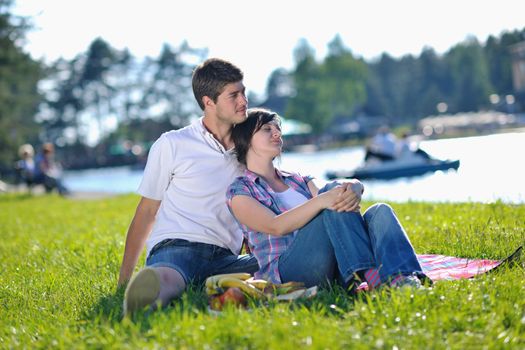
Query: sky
261	36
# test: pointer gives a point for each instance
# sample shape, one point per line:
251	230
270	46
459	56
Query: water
492	168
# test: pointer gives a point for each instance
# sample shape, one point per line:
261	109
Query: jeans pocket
159	245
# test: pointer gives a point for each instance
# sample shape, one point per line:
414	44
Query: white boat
407	166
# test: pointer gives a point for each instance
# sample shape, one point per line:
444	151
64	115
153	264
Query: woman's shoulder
239	186
239	181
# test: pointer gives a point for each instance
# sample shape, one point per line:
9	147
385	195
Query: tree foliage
108	96
401	90
326	90
19	98
105	87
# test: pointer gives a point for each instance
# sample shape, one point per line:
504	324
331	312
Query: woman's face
267	140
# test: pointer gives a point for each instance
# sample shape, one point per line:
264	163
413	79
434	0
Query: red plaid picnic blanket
442	267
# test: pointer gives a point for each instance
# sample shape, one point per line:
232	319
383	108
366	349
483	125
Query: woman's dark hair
242	133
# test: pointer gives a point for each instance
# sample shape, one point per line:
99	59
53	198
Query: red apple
233	296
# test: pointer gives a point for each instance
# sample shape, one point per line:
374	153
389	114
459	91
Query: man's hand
350	198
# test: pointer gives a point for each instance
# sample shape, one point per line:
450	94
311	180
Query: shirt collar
250	175
199	124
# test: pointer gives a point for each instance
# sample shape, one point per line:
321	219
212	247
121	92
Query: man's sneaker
407	281
143	290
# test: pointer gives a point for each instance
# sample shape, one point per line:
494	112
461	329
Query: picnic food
237	288
232	296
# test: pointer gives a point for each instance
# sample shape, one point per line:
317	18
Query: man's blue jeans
346	243
197	261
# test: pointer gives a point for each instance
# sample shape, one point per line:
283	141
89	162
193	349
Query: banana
211	282
212	291
257	283
292	295
292	284
288	287
227	282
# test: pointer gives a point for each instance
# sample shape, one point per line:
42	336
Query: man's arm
138	232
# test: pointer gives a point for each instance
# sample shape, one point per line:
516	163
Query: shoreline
40	191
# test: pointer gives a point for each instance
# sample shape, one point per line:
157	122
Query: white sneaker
408	281
143	290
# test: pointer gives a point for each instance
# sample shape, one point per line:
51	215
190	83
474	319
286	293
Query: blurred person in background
383	146
48	171
25	166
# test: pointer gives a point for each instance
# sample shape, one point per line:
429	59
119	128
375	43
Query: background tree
386	87
19	98
278	90
471	82
307	96
324	91
279	83
497	52
434	86
344	79
97	88
79	95
62	101
169	95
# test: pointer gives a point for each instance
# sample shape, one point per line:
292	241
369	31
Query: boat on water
392	169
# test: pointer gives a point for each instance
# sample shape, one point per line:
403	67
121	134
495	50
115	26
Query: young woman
294	229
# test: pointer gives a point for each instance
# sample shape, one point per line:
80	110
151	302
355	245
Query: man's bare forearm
138	232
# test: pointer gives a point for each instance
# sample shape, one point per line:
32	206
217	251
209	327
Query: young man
193	235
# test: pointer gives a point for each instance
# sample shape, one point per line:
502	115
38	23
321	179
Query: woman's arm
253	214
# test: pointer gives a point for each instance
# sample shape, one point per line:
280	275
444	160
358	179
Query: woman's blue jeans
344	243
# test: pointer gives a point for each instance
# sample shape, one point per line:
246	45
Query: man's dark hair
242	133
210	77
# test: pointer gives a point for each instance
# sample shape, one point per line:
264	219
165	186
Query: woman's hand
350	198
331	197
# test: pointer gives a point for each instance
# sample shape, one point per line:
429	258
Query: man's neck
221	131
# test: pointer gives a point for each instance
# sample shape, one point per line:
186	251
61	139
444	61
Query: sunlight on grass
60	261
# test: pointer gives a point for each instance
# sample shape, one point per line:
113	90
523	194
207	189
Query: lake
492	168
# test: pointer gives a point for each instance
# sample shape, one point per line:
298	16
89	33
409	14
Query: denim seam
352	267
332	229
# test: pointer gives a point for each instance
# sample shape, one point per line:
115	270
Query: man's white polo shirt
189	170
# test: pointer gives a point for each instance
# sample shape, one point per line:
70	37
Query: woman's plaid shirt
265	247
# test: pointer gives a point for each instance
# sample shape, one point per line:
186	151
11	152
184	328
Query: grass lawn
60	260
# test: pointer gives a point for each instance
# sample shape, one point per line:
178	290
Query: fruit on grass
257	283
250	290
215	302
211	282
232	296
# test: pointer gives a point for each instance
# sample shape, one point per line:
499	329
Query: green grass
60	260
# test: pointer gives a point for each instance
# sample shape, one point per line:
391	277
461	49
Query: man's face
232	104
